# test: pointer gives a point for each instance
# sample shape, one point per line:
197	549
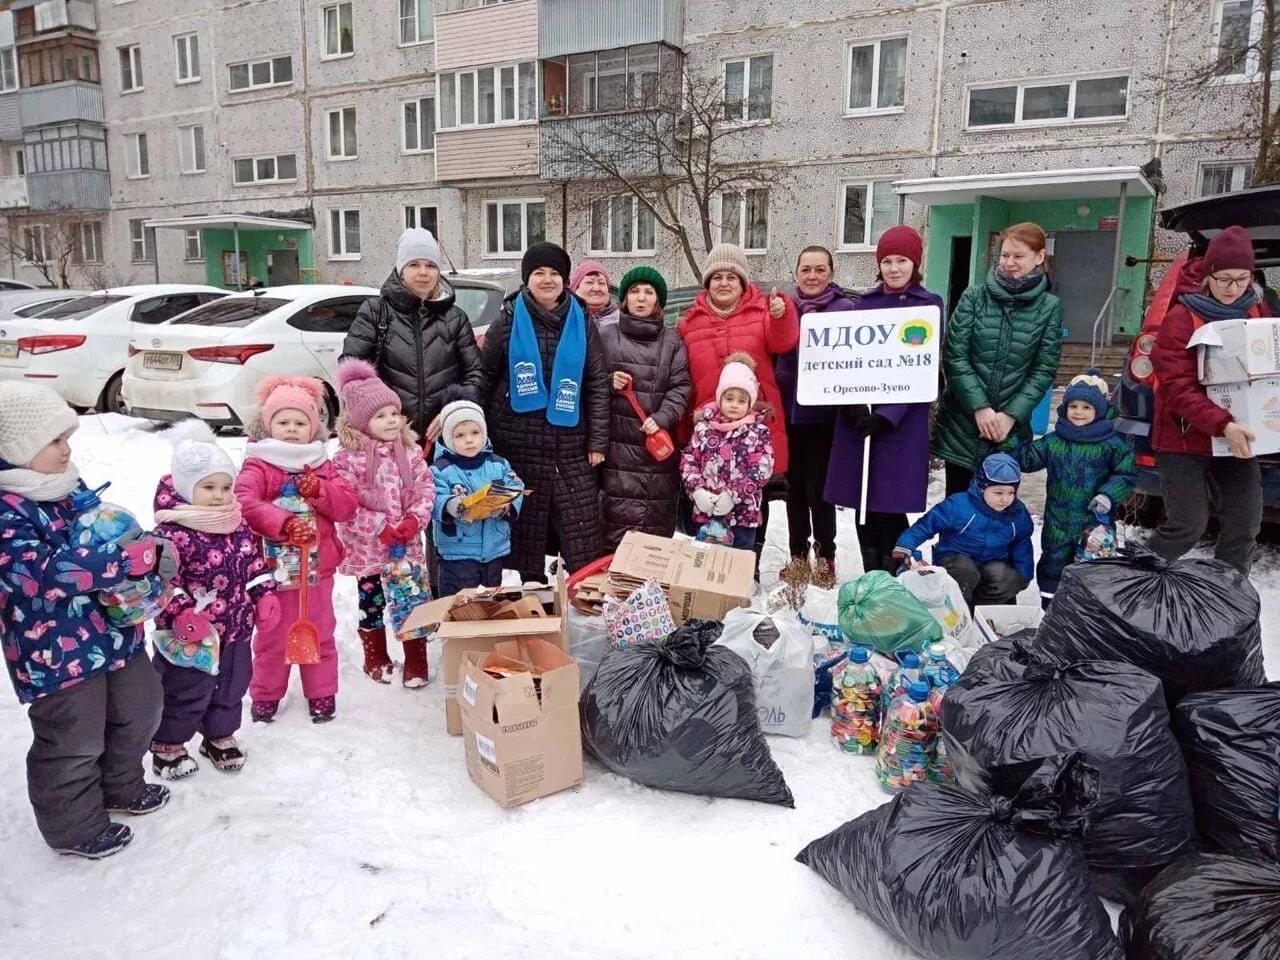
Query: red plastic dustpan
659	444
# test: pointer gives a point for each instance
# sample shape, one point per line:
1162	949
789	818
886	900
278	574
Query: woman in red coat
732	315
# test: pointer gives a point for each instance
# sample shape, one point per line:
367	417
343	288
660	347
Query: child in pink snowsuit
380	459
293	449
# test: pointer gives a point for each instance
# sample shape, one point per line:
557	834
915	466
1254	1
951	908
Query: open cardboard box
522	739
701	580
1233	351
477	620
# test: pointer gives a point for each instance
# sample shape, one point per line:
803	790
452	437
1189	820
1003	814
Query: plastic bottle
99	523
908	672
287	559
855	703
937	668
404	587
907	736
940	673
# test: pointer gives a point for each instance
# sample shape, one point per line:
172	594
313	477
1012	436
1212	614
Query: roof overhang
1036	185
230	222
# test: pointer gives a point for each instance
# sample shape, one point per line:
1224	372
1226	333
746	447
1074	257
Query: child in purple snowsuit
202	639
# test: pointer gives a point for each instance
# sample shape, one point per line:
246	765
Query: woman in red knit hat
1219	287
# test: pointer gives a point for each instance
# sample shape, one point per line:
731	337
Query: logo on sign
916	333
1271	414
567	395
526	379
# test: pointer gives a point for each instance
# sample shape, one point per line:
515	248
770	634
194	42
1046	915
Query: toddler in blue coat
984	535
472	552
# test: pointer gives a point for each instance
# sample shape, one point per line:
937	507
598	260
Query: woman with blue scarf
1186	422
546	398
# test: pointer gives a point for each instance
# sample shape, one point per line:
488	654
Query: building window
191	149
193	246
280	168
744	219
416	21
425	217
69	146
261	73
1238	30
344	234
511	226
19	162
8	70
142	242
339	40
138	162
748	88
1047	102
622	224
88	248
342	133
489	96
35	243
1218	178
186	55
612	80
877	76
130	68
867	210
418	127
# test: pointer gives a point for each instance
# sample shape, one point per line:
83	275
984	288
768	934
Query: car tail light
1145	460
1141	368
49	344
238	354
1145	343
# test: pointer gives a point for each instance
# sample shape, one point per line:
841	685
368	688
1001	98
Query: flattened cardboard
521	741
1256	404
701	580
1231	351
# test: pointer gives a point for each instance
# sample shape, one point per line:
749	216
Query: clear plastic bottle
287	557
906	673
941	674
855	703
938	670
404	588
99	523
907	736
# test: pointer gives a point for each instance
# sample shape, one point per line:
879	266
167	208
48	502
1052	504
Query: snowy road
365	837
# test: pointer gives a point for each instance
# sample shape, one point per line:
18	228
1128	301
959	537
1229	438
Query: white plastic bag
821	613
783	672
588	643
939	592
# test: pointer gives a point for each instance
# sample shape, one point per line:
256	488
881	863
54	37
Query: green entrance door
1083	262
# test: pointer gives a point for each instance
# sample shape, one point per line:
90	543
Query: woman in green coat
1000	356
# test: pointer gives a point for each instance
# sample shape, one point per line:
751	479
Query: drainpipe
937	88
306	122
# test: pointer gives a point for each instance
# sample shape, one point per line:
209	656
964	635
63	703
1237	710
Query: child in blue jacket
95	699
471	551
984	535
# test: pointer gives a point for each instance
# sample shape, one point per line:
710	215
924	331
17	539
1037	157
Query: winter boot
170	761
111	840
264	711
224	752
824	574
416	673
152	798
377	662
322	708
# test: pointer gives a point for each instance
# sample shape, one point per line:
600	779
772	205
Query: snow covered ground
365	837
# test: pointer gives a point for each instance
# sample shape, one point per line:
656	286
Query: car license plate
9	350
162	361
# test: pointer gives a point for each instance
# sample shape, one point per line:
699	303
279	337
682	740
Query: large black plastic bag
1208	907
681	715
1012	723
1231	741
955	875
1193	623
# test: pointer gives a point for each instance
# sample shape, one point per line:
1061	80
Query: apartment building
308	133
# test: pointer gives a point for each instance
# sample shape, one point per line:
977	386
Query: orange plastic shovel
302	643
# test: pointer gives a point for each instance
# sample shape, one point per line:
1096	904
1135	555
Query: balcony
70	190
492	33
10	118
487	153
13	192
65	102
577	26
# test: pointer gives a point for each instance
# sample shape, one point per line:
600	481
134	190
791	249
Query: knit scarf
446	457
1207	308
1023	284
728	426
403	467
528	392
1094	432
221	520
819	303
40	487
289	457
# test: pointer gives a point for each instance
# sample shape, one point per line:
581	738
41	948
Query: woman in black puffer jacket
416	336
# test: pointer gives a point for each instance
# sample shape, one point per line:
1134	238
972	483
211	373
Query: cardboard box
999	621
700	579
1256	404
477	620
522	740
1231	351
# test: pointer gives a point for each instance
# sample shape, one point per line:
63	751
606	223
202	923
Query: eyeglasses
1231	283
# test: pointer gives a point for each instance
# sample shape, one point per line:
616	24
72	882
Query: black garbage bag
1207	907
955	875
1193	623
681	715
1012	723
1231	741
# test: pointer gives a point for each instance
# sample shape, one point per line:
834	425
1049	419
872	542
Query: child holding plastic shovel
652	389
292	454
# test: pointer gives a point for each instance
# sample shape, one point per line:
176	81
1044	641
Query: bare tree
50	242
674	152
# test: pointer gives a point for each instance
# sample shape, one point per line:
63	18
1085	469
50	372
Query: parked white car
32	303
80	347
207	363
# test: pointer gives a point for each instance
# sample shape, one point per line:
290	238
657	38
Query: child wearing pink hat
381	460
291	449
729	460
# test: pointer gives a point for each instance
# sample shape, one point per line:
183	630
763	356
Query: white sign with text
870	356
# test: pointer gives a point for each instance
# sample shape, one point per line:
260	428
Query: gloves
298	532
704	501
403	532
309	484
167	563
140	556
723	504
875	424
267	612
371	499
1100	504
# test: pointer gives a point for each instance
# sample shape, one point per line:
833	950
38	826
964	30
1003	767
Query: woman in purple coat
899	476
809	432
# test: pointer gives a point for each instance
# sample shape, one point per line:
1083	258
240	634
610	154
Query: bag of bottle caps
907	735
405	587
286	556
99	523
